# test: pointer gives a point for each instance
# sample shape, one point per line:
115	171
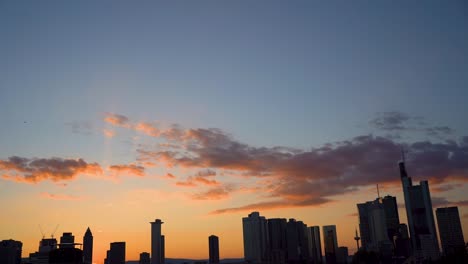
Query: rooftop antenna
402	155
378	193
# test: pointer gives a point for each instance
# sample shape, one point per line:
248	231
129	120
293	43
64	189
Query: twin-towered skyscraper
420	217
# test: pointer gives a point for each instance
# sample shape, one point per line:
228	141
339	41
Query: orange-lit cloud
131	169
214	193
108	133
305	177
117	120
55	169
62	197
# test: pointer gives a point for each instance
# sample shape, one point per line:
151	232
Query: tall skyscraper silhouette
255	238
117	253
392	218
88	247
330	242
277	240
315	245
157	242
373	227
420	217
213	245
297	242
450	230
10	251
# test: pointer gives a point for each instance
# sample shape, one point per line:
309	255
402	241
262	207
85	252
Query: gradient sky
115	113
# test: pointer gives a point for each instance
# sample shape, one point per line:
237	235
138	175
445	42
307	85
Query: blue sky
298	74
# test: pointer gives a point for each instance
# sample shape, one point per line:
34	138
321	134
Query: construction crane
55	230
42	231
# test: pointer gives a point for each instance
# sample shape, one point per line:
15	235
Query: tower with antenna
357	238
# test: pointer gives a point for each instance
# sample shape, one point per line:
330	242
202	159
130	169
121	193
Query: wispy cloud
128	169
38	169
61	197
80	127
108	133
398	122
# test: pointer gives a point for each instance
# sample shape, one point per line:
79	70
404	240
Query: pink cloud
38	169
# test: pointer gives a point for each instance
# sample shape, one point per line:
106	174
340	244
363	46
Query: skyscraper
213	245
88	247
373	227
277	246
297	242
117	253
315	245
450	230
10	251
157	243
330	243
392	217
255	235
420	217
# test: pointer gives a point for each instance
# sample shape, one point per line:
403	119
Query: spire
401	164
88	232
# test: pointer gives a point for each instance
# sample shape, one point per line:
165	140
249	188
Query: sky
115	113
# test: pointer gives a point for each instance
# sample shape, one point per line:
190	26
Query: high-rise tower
156	242
330	243
213	245
450	230
420	217
88	247
255	232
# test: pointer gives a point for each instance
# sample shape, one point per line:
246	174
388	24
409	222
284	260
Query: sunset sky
115	113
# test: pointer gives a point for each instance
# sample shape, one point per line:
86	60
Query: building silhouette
10	251
315	246
342	255
373	227
297	242
255	238
157	243
330	242
116	253
450	230
46	245
88	247
67	240
402	242
213	245
392	217
277	245
420	217
144	258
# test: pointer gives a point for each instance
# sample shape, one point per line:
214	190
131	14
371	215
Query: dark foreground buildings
10	251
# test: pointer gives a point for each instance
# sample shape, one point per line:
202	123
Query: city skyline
117	114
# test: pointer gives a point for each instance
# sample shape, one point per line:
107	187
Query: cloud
215	193
117	120
401	122
80	127
443	202
38	169
132	169
61	197
390	121
306	177
108	133
170	176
